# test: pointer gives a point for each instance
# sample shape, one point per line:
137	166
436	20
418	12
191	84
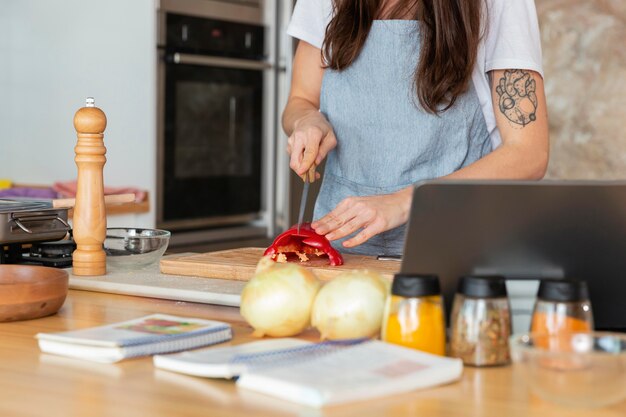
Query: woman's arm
521	116
310	135
519	104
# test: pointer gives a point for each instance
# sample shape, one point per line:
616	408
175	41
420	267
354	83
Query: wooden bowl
29	292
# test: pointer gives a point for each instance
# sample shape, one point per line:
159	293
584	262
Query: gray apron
386	141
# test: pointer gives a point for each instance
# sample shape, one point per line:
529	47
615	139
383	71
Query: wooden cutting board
240	264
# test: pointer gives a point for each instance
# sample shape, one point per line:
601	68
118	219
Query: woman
392	92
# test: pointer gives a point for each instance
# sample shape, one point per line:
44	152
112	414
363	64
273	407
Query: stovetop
56	254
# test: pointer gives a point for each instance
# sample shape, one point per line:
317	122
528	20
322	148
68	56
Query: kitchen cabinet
33	384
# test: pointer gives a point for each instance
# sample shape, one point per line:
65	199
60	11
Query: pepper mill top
90	119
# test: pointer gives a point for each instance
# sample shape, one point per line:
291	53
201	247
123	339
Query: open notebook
319	374
227	362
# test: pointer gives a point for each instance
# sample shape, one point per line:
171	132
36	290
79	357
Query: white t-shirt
511	42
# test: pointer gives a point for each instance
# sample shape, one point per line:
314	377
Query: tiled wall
584	53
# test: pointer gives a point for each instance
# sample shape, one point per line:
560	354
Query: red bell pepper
305	242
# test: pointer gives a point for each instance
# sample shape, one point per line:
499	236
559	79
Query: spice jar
562	307
414	314
481	322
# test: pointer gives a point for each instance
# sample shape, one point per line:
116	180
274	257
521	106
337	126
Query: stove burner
60	249
54	254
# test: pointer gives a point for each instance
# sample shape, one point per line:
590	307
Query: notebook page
365	371
221	362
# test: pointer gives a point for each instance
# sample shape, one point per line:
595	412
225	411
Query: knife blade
308	177
305	194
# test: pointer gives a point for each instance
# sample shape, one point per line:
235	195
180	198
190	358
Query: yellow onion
277	301
351	305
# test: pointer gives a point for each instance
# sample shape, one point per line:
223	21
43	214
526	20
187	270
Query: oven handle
214	61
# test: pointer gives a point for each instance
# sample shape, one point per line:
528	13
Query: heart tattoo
518	101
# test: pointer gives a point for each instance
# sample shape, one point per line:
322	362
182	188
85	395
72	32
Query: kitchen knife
395	258
308	178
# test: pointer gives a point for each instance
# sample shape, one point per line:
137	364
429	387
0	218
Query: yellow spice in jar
416	323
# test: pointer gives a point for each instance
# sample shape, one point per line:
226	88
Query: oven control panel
204	36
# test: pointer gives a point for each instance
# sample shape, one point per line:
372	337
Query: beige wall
584	53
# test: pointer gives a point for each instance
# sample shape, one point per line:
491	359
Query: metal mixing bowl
129	248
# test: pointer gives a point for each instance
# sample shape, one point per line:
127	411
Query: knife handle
310	175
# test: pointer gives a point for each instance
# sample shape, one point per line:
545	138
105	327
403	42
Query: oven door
212	136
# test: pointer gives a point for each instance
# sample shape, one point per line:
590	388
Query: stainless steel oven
212	123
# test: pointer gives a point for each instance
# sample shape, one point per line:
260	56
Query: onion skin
277	301
351	306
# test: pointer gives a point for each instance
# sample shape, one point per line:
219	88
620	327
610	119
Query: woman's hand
371	215
310	141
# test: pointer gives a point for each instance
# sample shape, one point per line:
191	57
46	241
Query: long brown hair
451	31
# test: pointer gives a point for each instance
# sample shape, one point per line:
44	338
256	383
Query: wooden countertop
35	384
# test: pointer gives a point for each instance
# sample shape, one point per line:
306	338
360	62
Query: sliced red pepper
307	242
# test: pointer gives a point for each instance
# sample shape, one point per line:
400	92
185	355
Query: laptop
524	231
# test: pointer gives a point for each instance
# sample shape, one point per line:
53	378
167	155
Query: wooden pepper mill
89	212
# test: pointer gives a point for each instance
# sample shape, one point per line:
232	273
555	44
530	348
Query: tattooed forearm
518	101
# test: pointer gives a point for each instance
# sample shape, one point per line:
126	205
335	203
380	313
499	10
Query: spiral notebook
233	361
319	374
149	335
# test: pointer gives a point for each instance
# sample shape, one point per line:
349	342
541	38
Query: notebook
157	333
226	362
320	374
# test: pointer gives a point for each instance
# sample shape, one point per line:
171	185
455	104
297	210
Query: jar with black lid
481	321
562	306
414	314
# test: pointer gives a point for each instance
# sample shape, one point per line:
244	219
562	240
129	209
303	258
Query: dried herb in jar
481	322
482	341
